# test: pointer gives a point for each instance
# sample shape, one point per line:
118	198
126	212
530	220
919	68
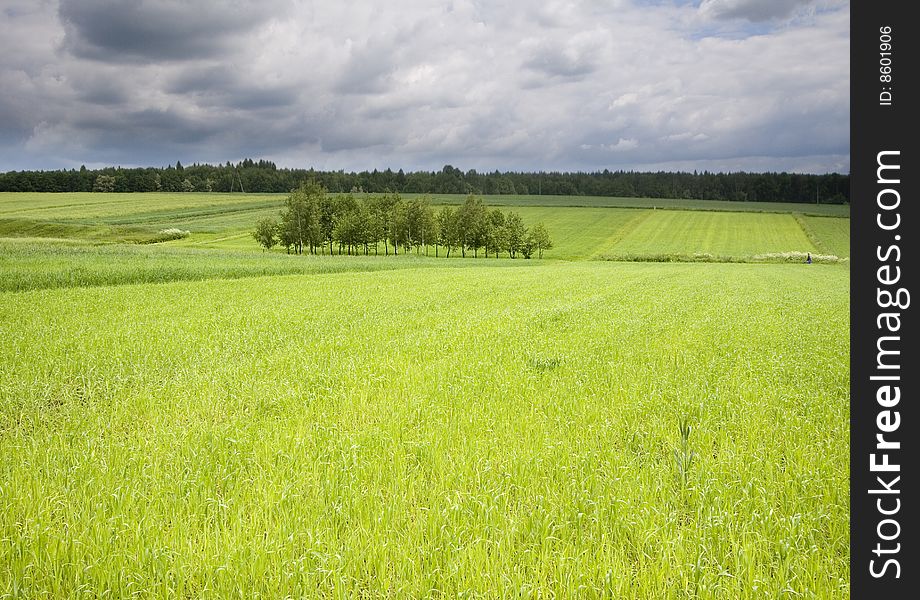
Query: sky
718	85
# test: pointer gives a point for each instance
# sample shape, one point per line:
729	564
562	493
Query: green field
830	235
717	234
511	200
28	264
198	418
582	227
110	207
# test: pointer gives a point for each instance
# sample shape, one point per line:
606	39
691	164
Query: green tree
497	233
385	208
300	219
104	183
528	245
266	233
351	225
471	219
419	222
445	224
395	217
540	238
346	228
327	219
515	233
376	221
428	225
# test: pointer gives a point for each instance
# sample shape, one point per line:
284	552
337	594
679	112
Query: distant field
114	209
720	234
570	430
148	207
580	232
601	227
36	228
577	232
830	235
833	210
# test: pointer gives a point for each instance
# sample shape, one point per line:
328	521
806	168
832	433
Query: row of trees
264	176
318	222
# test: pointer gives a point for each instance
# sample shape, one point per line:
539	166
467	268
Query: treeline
264	176
319	222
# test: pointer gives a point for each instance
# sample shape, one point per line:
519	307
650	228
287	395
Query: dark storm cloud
570	84
555	62
160	137
144	127
170	125
100	88
368	68
751	10
261	99
221	86
147	30
104	96
215	77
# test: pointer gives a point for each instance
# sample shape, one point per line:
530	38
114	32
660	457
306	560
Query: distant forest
264	177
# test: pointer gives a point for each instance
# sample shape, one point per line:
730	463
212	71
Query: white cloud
621	145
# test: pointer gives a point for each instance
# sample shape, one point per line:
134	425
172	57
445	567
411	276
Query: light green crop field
580	232
631	233
198	418
477	431
27	264
830	235
577	232
511	200
204	212
726	230
717	234
133	208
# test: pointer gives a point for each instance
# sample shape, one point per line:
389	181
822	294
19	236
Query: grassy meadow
828	234
198	418
716	234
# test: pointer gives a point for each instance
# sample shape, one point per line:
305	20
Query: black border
875	128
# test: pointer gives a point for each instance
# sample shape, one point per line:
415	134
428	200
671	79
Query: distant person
808	260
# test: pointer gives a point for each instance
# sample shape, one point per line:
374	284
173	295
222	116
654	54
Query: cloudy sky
565	85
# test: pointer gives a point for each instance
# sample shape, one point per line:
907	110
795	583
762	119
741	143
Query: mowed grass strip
830	235
727	235
478	432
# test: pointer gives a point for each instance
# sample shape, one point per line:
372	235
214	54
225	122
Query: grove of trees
318	222
265	177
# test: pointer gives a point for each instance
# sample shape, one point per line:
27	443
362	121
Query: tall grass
567	430
30	264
